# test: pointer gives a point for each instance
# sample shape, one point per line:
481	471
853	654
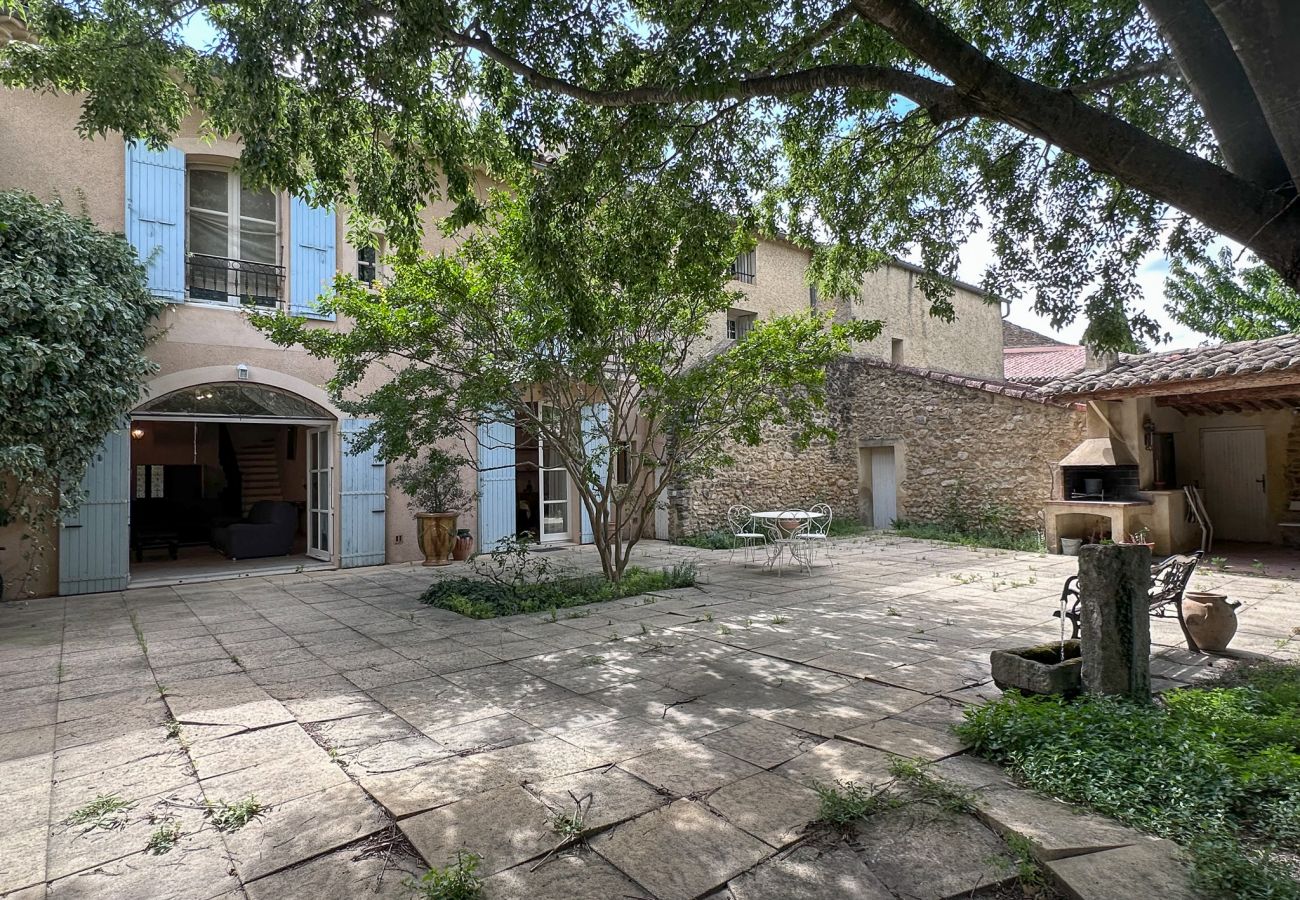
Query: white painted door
884	490
320	491
1234	474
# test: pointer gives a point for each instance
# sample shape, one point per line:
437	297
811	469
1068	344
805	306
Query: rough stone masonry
984	450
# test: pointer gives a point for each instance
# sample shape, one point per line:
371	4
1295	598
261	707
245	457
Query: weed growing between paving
164	837
234	816
1216	769
105	813
488	598
458	880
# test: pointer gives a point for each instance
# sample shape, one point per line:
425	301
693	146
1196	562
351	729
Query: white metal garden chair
787	540
816	535
745	535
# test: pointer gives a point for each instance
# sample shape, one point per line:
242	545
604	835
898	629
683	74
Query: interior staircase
259	471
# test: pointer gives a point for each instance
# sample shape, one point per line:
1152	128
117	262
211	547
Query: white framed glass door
554	489
320	492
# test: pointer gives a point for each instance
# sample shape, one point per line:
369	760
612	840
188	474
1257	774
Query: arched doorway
221	479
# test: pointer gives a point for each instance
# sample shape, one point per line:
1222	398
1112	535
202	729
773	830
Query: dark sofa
268	530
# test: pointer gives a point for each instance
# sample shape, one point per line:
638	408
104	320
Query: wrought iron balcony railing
223	280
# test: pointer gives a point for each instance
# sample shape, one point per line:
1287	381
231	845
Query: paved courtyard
685	730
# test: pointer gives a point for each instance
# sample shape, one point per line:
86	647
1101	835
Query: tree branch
1214	74
1165	65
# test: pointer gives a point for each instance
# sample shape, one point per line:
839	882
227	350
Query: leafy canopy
1081	135
1233	303
593	318
74	312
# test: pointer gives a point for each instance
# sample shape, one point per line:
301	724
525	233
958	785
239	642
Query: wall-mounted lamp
241	371
1148	433
137	433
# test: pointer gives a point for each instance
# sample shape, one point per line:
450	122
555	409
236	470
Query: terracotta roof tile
989	385
1275	354
1036	365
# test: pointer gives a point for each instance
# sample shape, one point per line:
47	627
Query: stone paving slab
809	872
1149	869
680	851
339	689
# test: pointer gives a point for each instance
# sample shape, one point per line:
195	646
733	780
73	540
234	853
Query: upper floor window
232	239
739	324
745	268
812	297
370	266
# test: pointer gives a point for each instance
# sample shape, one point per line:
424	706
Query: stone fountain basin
1040	669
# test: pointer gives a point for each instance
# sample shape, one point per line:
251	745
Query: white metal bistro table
788	523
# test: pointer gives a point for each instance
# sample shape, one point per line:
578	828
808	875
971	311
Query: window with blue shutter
311	258
155	215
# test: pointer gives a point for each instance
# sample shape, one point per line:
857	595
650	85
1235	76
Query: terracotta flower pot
1211	619
463	547
436	534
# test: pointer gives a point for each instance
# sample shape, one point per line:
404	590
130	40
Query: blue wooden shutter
312	263
596	444
94	539
155	215
362	504
496	483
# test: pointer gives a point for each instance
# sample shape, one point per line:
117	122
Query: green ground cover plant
1216	769
1026	541
487	598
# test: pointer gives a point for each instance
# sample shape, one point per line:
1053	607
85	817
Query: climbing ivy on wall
74	318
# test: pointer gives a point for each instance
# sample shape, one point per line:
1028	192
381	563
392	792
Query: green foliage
106	812
489	597
1216	769
844	803
926	788
1027	541
611	297
1221	300
233	816
710	539
164	838
458	880
433	483
859	141
74	311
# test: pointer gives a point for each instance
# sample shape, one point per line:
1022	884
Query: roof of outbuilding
1014	335
1039	365
1277	354
970	382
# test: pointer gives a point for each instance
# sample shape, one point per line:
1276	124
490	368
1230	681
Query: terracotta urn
436	533
1211	619
464	545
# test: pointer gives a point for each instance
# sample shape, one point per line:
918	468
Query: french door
320	492
554	488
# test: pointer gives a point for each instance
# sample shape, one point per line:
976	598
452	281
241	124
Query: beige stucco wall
955	447
970	345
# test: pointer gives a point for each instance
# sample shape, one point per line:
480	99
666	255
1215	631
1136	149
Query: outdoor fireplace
1097	495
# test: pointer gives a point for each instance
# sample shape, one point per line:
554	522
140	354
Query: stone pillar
1114	630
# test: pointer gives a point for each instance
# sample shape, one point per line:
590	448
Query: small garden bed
1215	769
999	538
488	597
721	539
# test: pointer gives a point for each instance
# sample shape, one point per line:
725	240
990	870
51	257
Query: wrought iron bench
1169	580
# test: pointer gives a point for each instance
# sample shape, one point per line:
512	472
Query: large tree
1229	301
1081	134
593	322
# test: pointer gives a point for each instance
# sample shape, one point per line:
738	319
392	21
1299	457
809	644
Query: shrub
484	598
1216	769
1025	541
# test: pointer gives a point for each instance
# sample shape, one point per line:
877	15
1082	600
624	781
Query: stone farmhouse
230	420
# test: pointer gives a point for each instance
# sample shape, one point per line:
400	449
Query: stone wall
960	444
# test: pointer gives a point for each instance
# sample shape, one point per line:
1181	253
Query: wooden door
1234	475
884	490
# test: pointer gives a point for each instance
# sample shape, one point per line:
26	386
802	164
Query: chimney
1099	360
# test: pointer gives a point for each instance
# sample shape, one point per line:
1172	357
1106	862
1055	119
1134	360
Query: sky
977	253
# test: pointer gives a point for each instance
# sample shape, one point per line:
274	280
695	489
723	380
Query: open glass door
554	488
320	488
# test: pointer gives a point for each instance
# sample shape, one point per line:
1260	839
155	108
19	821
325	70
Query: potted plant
464	545
1142	536
437	498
